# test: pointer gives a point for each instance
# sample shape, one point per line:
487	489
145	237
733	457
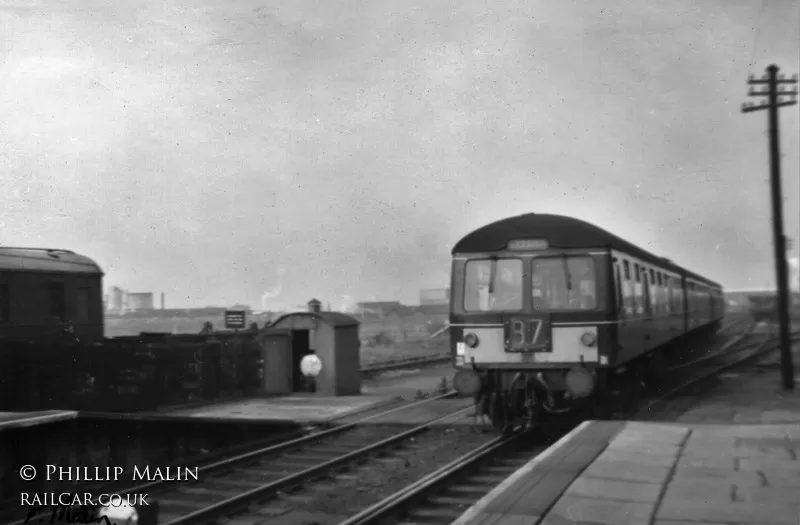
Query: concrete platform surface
297	407
29	419
629	473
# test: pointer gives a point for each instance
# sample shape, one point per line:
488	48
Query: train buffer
734	457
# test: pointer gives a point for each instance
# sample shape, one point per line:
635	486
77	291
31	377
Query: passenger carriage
544	308
48	295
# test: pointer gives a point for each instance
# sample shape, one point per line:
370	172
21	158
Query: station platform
10	420
729	454
312	408
303	408
619	473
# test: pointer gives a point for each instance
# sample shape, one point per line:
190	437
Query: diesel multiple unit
547	311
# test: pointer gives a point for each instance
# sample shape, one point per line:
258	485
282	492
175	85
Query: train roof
560	232
46	260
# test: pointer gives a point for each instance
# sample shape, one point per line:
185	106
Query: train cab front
526	324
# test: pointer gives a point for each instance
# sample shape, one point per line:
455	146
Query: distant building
434	296
138	302
244	307
117	303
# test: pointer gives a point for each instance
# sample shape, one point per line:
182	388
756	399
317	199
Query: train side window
638	294
652	292
627	290
677	295
5	303
667	280
682	291
669	290
662	294
618	288
647	296
82	302
57	307
689	296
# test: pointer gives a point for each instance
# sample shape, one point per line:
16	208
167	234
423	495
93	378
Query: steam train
550	313
48	294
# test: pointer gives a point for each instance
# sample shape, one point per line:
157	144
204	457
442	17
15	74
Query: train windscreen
564	283
493	285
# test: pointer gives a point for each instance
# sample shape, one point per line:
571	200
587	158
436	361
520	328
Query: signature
65	514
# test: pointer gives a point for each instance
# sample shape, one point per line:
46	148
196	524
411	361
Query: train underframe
524	398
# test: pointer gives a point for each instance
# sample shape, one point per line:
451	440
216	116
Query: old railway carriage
547	310
49	295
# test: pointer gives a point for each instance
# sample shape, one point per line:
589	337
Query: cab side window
627	289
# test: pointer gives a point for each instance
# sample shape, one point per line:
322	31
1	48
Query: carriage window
618	287
636	271
668	294
57	307
82	301
627	290
505	291
564	283
5	303
647	293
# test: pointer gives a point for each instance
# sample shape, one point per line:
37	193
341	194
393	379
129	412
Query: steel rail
261	492
390	503
248	456
763	348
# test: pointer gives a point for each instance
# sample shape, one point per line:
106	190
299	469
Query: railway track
233	485
246	486
444	495
692	374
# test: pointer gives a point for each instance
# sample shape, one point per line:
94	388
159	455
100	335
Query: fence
128	373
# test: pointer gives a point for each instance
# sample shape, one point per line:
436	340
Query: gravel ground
327	502
381	354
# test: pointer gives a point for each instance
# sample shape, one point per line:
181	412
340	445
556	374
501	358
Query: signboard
235	319
311	365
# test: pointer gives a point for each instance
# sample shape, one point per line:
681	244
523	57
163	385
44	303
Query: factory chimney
314	306
162	300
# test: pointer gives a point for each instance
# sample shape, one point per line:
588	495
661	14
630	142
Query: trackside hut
332	336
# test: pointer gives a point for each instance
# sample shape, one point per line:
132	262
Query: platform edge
473	512
66	415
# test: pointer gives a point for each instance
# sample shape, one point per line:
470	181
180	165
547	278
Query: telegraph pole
774	92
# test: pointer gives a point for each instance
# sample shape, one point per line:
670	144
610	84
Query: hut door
277	364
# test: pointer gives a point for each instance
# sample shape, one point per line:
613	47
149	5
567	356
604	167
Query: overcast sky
218	150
